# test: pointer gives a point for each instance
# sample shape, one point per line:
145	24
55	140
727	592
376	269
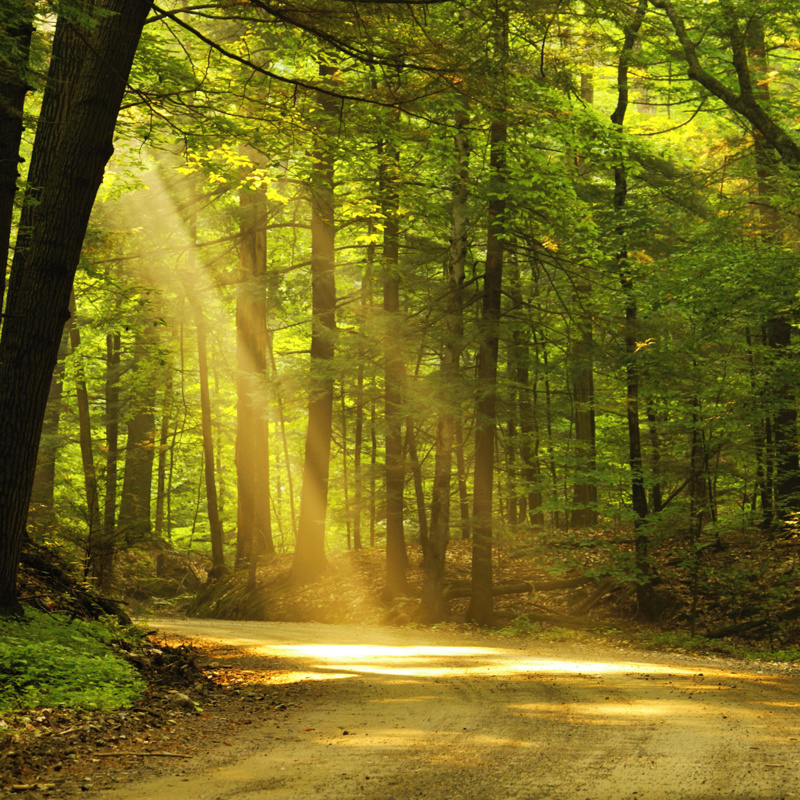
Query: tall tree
254	532
38	295
481	607
394	376
434	545
309	554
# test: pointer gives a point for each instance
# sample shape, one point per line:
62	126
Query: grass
52	661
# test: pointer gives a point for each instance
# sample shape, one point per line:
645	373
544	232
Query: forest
314	276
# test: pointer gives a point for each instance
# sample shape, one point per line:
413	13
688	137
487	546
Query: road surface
401	714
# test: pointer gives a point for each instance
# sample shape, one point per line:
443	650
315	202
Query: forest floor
376	706
363	711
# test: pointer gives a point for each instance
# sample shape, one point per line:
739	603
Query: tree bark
309	554
254	532
212	506
133	522
434	550
394	379
113	346
481	608
644	588
162	524
42	515
13	88
99	558
38	295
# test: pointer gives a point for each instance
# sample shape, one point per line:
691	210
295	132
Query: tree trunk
161	467
133	523
254	532
18	24
99	558
644	588
481	608
38	295
113	346
434	606
394	378
214	521
416	473
461	476
284	439
358	444
584	491
42	515
309	554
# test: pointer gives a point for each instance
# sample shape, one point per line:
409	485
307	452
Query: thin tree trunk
434	606
697	507
113	369
461	475
99	560
284	439
214	521
394	375
358	444
644	588
481	608
656	495
345	475
161	467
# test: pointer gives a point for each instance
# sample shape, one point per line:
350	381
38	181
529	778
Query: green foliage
50	660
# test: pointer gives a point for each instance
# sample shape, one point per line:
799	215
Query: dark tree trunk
784	422
644	588
309	554
66	60
133	522
656	494
584	491
38	295
13	88
481	608
42	515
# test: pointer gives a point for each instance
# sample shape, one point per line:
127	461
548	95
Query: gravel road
403	714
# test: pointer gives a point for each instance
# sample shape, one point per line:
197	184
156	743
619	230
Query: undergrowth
650	639
48	660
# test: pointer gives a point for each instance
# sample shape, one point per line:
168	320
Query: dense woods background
365	274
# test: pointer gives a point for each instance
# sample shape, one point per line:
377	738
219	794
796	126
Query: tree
309	556
481	606
38	295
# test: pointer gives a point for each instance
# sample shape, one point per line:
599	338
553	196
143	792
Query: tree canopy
377	274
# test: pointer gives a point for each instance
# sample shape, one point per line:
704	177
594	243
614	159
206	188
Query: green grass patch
52	661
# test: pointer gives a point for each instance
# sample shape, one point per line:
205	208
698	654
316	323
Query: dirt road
402	714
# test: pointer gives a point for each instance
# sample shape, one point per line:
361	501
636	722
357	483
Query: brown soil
350	711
